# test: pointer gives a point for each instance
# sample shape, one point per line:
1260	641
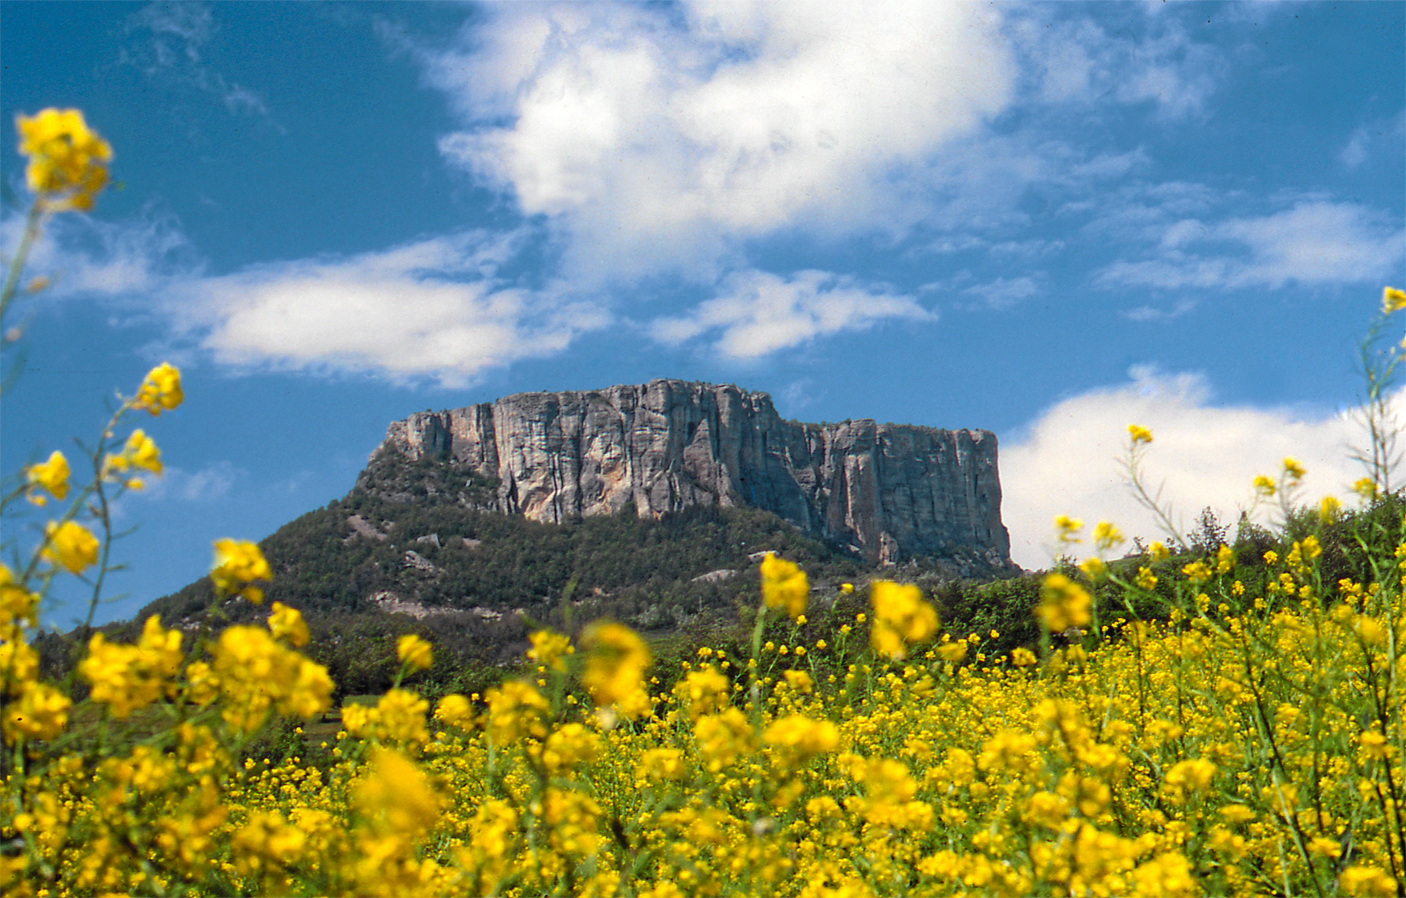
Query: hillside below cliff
883	492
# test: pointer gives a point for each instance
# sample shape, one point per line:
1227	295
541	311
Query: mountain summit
883	492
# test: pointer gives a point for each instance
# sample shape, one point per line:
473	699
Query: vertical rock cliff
889	491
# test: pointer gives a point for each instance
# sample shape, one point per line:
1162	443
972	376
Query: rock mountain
884	491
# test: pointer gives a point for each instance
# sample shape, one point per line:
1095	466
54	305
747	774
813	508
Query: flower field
1212	720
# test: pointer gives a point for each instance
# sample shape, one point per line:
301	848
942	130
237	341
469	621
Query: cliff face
889	491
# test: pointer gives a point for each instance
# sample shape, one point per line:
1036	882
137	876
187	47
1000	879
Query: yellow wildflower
1393	300
784	585
1367	881
70	545
1146	579
16	602
1139	434
51	475
41	712
238	565
287	623
455	710
414	652
67	160
548	648
1264	486
1068	529
1064	604
160	390
901	618
1293	471
796	739
516	709
1106	536
615	664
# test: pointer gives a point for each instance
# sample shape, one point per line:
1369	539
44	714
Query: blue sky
1045	220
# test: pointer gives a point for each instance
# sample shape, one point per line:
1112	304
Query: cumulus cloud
1069	461
652	137
434	307
759	313
1314	242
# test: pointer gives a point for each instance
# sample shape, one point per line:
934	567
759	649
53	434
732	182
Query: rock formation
888	491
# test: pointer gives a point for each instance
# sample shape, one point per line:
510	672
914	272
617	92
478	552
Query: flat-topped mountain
886	492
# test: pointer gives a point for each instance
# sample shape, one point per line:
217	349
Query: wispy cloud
82	255
1205	455
759	313
173	39
1314	242
1004	293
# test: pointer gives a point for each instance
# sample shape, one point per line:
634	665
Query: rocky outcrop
888	491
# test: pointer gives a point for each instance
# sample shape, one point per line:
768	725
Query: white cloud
178	33
80	254
1314	242
1152	59
653	138
1070	460
760	313
1003	293
433	308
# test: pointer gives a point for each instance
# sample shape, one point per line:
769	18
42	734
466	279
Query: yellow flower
1023	657
397	797
796	739
139	452
615	664
455	710
414	652
1265	486
516	709
51	475
569	747
846	588
1393	300
548	648
1067	529
1367	881
70	545
1365	487
1329	508
1197	571
287	623
16	602
1106	536
129	677
1063	604
703	691
1146	579
1293	471
1094	568
901	618
1158	552
67	161
1139	434
161	390
784	585
40	713
238	565
1225	559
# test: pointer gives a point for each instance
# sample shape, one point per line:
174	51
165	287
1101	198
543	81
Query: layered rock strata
889	491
